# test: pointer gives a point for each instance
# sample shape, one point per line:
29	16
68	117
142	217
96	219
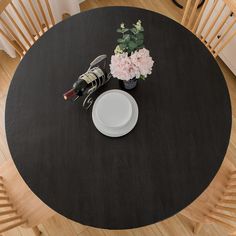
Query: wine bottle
84	83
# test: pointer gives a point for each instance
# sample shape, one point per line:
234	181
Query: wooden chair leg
197	228
36	230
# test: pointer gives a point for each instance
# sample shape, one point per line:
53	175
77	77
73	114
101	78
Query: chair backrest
224	213
24	21
28	205
218	203
214	24
9	218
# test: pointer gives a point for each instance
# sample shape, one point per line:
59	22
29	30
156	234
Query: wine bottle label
92	75
89	77
98	72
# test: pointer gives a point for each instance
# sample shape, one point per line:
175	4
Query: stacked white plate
115	113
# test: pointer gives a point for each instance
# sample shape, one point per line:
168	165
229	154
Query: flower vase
129	84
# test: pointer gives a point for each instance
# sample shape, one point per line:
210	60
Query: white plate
115	113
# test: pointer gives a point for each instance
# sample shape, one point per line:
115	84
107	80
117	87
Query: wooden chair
214	24
218	203
24	25
18	205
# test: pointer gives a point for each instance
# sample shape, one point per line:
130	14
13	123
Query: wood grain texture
3	4
11	215
231	4
217	203
177	225
22	18
208	27
184	121
27	204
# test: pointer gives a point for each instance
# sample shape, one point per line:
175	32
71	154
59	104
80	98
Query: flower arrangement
131	59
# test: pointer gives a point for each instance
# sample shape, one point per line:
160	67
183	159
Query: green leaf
140	36
140	47
126	37
133	37
134	30
142	77
122	46
139	42
132	45
120	40
138	29
122	30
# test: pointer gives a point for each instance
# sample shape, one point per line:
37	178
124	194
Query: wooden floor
58	225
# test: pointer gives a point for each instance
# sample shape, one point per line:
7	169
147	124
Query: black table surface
156	170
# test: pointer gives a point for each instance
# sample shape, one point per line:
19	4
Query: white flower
118	50
138	25
122	25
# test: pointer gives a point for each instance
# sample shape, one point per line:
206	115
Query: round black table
156	170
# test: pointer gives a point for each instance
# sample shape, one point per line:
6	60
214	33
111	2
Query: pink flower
143	61
122	67
126	67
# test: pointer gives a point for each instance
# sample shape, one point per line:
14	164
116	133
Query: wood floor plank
78	227
151	230
233	132
8	64
92	231
26	231
230	80
231	153
4	83
14	232
43	230
207	230
163	7
60	226
176	226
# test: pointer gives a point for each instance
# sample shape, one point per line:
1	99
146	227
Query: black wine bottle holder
97	65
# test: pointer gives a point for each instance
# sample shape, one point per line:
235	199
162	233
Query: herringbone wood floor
58	225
